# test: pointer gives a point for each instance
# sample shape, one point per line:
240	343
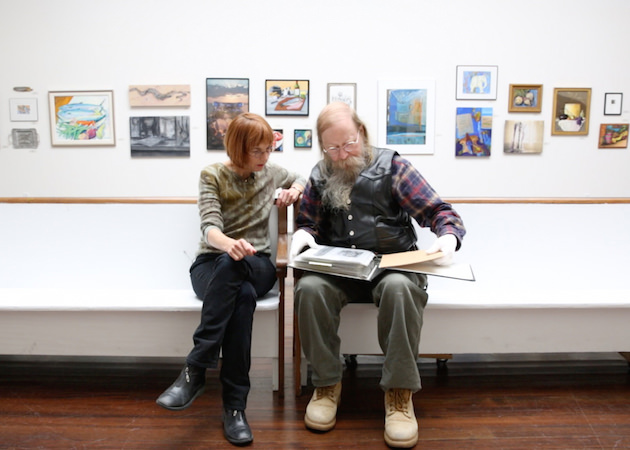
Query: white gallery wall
73	45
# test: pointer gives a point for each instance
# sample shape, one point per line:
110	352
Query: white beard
341	178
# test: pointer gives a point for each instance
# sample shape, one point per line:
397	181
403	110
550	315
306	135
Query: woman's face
257	157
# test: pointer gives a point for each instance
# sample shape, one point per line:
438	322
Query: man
359	196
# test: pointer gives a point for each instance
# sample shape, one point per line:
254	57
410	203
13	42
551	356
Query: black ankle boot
186	388
235	427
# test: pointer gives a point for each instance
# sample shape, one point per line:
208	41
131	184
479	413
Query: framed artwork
278	140
226	98
571	108
525	98
24	138
406	116
343	92
286	97
23	109
473	132
477	82
159	95
613	135
81	118
303	138
159	136
523	136
612	103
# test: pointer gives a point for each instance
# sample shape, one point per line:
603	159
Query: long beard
341	178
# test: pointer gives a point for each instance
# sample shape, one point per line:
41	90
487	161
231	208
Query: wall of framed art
456	60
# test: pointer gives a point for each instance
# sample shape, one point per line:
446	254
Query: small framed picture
23	109
613	135
302	138
81	118
343	92
24	138
612	103
525	98
477	82
278	140
286	97
571	109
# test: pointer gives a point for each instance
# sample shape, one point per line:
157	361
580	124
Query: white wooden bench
109	278
550	278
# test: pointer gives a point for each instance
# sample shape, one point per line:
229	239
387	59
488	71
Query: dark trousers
229	290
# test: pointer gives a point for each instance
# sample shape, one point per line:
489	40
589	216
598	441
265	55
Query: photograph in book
348	262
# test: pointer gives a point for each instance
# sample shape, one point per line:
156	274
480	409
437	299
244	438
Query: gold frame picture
571	111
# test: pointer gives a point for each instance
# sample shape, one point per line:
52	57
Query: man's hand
447	245
300	240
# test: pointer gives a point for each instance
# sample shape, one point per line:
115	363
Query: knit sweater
239	207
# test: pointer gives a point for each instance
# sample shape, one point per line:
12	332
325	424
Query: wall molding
192	200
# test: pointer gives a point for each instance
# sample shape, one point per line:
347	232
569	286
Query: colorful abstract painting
473	135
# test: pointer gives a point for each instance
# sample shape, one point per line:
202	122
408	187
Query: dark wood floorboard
483	402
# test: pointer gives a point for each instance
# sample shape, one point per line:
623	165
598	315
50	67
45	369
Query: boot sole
318	426
184	406
401	444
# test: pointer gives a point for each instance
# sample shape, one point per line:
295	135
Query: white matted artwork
477	82
23	109
343	92
523	136
406	116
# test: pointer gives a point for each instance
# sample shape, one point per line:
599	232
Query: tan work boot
401	426
321	411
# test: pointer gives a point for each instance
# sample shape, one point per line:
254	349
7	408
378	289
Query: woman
233	267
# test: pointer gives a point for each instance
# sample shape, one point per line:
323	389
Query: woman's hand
289	196
239	249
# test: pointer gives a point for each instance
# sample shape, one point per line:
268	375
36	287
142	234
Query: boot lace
325	392
397	401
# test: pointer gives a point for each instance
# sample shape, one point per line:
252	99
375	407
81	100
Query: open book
365	265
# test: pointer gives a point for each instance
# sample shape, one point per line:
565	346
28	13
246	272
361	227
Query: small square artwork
473	135
613	135
302	138
523	136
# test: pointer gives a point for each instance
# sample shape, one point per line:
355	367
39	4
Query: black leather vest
374	220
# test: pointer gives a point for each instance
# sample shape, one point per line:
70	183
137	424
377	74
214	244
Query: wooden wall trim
192	200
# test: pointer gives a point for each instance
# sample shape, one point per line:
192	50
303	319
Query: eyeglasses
259	154
335	150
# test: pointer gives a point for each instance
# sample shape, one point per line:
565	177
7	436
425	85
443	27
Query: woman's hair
331	113
244	133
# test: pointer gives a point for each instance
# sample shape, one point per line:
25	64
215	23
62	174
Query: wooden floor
483	401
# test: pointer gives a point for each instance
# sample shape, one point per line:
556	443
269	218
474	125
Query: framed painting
286	97
612	103
525	98
613	135
23	109
81	118
303	138
226	98
278	140
571	109
406	116
477	82
157	136
522	137
473	132
343	92
159	95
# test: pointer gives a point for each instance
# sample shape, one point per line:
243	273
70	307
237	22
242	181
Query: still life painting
81	118
286	97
